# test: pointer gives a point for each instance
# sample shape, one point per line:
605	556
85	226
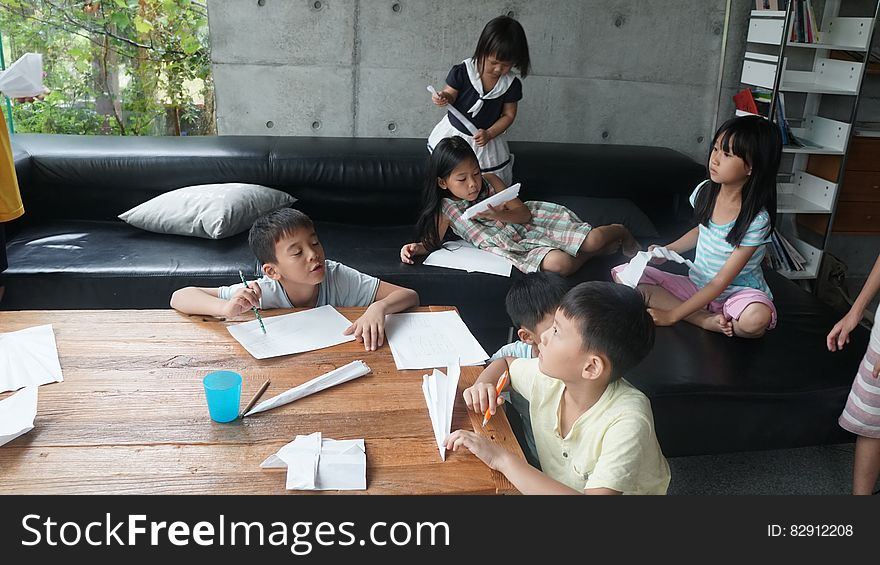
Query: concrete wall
604	71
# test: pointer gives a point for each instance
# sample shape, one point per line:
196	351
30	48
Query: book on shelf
788	138
782	122
803	22
754	101
781	254
773	5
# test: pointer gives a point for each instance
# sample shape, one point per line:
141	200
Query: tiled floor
807	470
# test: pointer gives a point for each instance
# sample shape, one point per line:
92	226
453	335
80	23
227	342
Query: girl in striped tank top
861	415
735	210
531	235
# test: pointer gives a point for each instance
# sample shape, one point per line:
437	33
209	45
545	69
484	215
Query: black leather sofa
710	394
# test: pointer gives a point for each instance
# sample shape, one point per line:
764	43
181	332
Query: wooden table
131	418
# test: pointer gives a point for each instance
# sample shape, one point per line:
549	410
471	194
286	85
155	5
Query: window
114	67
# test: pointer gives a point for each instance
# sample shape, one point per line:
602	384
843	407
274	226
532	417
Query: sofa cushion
604	211
114	265
212	211
85	177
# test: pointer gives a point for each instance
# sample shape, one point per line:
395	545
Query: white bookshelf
816	72
844	34
829	76
806	194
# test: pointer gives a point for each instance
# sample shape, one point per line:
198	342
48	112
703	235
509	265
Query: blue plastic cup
223	391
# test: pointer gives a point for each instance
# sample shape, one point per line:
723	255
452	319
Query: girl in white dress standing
482	88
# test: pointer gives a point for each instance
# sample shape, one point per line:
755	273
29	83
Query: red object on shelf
745	101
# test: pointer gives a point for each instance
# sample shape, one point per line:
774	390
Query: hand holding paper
458	115
496	199
632	273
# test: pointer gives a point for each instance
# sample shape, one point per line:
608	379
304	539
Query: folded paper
29	357
338	376
314	463
17	414
293	333
440	391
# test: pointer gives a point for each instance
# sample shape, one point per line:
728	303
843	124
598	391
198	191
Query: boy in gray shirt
297	275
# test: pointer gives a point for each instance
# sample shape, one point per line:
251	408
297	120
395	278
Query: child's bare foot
719	324
630	246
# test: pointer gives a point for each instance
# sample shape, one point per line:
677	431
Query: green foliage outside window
116	67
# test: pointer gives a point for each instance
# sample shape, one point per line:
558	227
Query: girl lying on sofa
532	235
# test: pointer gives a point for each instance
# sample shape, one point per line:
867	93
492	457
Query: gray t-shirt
342	287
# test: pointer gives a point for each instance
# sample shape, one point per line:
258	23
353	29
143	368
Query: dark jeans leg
517	410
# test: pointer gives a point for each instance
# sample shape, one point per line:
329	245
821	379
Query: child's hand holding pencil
243	299
254	288
484	397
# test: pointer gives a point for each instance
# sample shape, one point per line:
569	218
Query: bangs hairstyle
533	296
756	141
447	155
270	228
612	320
504	38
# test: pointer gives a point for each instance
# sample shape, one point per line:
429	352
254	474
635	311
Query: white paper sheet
468	125
632	273
424	340
29	357
23	78
496	199
440	391
17	414
293	333
465	257
314	463
335	377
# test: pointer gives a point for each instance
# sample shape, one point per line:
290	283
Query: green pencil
255	309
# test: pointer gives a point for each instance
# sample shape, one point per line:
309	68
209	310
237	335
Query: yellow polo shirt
611	445
10	199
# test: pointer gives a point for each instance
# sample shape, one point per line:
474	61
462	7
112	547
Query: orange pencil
502	381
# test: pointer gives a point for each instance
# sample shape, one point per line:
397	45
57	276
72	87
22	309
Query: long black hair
756	141
447	155
505	38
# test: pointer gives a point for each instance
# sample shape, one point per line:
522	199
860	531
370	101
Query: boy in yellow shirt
594	432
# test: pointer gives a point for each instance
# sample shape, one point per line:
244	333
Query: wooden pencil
256	397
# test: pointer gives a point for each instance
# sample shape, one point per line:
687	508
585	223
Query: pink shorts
683	288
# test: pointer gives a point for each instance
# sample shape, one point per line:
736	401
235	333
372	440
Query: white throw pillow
212	211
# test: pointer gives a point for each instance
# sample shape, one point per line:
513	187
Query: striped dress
861	415
713	251
552	227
